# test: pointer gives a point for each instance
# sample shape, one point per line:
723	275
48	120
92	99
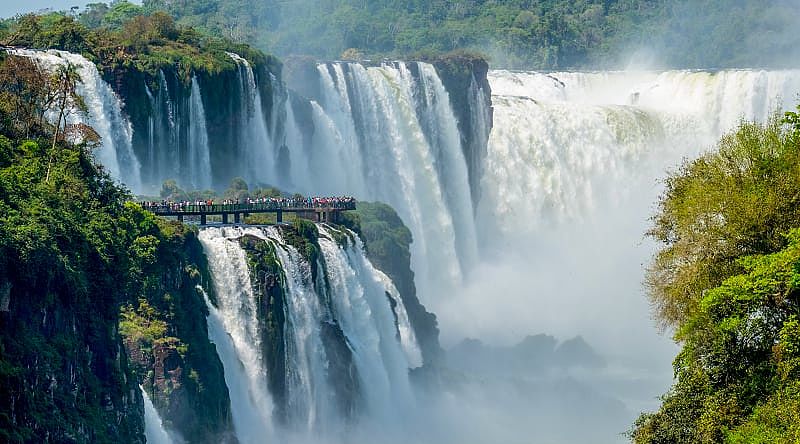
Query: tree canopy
727	280
542	34
125	35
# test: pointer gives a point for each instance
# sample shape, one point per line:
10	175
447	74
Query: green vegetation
64	261
386	238
126	37
163	327
543	34
82	273
142	325
728	281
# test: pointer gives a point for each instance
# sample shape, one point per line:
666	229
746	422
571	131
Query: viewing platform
317	210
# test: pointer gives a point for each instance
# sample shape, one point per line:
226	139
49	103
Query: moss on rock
165	333
266	275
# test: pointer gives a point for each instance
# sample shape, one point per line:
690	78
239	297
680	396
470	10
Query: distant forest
539	34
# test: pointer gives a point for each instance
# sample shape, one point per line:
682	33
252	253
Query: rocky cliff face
267	278
165	335
64	373
270	289
465	78
192	123
64	376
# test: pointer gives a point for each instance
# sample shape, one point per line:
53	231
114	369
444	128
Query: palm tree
64	85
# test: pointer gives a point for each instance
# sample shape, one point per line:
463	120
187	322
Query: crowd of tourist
260	203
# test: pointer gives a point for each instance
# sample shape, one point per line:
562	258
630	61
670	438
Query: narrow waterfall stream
153	425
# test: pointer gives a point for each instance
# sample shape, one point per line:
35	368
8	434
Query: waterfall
305	356
154	430
169	136
254	139
175	141
480	113
104	114
570	178
359	298
299	159
561	141
352	310
388	133
443	136
233	327
199	157
150	159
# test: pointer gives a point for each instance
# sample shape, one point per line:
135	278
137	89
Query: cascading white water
104	114
356	298
359	300
408	339
569	180
151	128
177	142
561	140
481	123
571	176
445	140
154	430
307	386
382	133
199	156
299	172
166	111
233	327
336	130
255	140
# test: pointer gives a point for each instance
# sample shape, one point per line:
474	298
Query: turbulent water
233	327
154	430
536	230
388	133
571	175
563	141
104	114
351	298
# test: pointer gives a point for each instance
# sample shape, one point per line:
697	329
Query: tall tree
66	102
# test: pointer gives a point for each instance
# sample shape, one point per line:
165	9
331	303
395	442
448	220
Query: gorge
504	187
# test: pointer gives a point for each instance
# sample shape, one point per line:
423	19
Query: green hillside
544	34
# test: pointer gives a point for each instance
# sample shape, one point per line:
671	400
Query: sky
10	8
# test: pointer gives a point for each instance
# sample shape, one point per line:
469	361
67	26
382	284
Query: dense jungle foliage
124	37
75	255
727	280
541	34
65	235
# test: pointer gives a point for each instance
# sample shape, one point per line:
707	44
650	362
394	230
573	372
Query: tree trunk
55	137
